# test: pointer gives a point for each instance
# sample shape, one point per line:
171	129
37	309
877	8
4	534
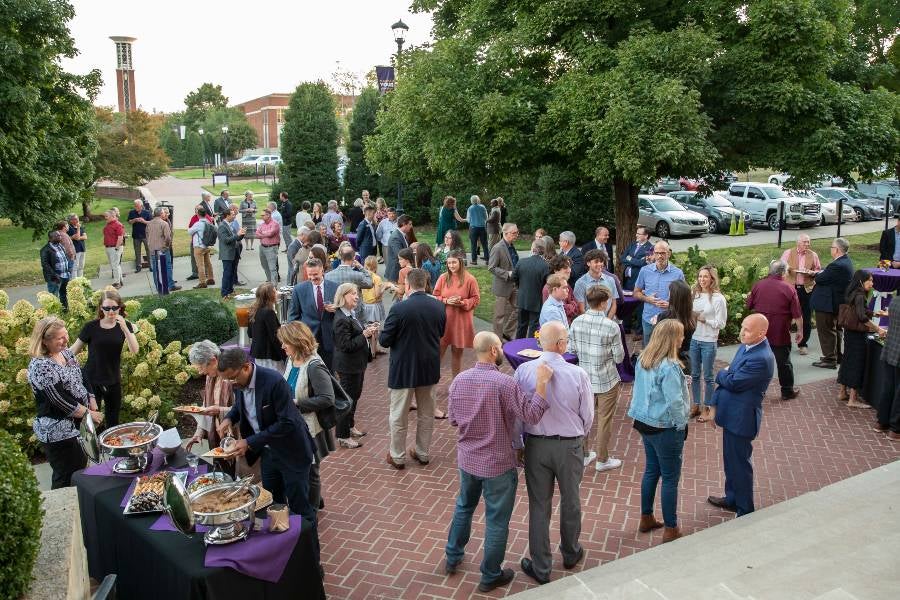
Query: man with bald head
652	286
553	452
486	406
737	406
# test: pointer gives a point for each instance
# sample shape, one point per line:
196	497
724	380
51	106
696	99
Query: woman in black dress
351	357
681	308
62	399
104	337
265	348
853	364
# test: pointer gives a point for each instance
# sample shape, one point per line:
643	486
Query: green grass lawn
193	173
239	186
426	233
20	262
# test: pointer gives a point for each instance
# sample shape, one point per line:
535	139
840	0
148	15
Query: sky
251	49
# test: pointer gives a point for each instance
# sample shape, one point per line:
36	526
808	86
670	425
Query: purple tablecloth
885	281
627	308
105	469
352	238
511	352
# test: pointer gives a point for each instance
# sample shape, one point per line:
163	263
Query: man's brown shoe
200	286
398	466
671	533
413	455
720	502
695	411
210	282
893	435
648	523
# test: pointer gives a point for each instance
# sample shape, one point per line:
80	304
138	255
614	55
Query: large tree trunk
625	194
86	209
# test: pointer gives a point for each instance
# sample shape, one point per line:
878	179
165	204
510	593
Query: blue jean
702	354
663	452
647	330
153	265
58	289
499	497
227	277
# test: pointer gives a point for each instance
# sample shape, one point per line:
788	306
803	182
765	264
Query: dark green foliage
358	176
309	145
200	102
47	128
193	150
20	505
192	317
171	145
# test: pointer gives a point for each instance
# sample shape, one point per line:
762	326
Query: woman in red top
114	240
458	290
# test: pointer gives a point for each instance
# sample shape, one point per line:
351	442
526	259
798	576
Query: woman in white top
712	314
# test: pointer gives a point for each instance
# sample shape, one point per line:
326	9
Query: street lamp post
399	30
203	143
225	149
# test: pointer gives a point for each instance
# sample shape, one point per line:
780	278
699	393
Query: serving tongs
243	484
151	421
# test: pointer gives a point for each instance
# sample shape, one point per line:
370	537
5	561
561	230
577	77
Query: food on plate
214	502
189	408
148	493
127	439
205	480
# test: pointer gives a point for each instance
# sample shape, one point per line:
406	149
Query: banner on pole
385	77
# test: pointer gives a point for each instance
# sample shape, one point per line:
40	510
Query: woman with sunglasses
104	337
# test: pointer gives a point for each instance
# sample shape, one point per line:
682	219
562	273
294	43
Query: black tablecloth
874	384
161	564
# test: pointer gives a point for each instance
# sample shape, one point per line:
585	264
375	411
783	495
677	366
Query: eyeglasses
109	308
661	253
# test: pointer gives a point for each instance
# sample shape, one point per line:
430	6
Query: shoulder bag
849	320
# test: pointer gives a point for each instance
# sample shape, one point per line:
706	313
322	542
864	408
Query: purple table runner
201	470
105	469
511	352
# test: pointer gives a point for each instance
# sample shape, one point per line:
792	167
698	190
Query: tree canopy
309	144
47	127
200	102
129	150
359	176
519	95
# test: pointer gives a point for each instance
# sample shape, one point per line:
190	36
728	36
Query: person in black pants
61	398
530	274
351	357
104	337
889	405
265	348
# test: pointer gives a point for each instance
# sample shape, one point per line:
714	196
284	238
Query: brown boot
695	411
671	533
843	396
648	523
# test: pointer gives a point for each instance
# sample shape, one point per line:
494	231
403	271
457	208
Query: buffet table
885	281
874	382
166	564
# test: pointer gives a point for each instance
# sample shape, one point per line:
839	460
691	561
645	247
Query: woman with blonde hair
373	304
711	314
105	337
310	381
317	213
659	407
62	398
265	348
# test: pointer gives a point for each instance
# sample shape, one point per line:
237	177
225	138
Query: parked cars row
864	207
717	209
666	217
257	159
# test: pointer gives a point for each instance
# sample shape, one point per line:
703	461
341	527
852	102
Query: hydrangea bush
735	281
151	379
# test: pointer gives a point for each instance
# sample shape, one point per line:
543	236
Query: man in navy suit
737	405
365	234
830	292
567	246
601	242
637	255
272	430
413	331
312	302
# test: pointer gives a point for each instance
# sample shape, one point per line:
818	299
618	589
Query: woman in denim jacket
660	407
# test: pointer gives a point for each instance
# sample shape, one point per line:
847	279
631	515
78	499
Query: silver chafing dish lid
177	503
88	438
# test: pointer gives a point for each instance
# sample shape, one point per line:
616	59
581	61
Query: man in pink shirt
802	265
269	234
486	406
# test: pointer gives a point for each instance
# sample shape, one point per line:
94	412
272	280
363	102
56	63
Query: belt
270	245
555	437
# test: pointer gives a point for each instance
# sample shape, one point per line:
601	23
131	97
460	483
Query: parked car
257	159
761	200
779	178
882	190
688	184
717	209
864	207
666	217
829	207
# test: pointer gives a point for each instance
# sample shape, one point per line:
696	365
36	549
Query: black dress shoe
506	575
791	394
720	502
822	364
528	569
577	560
240	283
450	568
192	277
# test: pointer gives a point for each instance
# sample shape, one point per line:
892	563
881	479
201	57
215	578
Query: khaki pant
114	256
604	409
829	336
399	418
505	316
204	265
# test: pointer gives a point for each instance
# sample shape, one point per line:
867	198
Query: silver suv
761	201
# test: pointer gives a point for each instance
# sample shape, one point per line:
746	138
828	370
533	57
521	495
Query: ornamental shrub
191	318
160	367
20	503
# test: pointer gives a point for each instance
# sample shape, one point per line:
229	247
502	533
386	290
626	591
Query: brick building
266	116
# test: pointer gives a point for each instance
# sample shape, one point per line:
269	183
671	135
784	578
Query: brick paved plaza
383	531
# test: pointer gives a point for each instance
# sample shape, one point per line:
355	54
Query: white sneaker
611	463
590	457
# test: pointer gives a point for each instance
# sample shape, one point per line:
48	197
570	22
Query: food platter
189	408
209	479
218	452
147	496
133	442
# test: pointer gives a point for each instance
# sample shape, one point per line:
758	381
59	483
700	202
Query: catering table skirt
874	382
885	281
626	309
512	348
159	564
352	238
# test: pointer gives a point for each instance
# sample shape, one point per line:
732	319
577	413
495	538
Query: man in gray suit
530	274
396	243
350	271
502	261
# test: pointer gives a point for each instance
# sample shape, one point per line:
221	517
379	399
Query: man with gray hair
777	300
477	218
297	253
139	217
350	271
567	247
332	216
827	296
159	240
530	274
503	260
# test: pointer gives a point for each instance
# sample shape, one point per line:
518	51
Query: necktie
320	302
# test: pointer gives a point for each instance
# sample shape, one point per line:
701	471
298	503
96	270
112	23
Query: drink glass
192	460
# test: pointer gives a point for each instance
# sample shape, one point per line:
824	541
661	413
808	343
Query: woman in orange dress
458	290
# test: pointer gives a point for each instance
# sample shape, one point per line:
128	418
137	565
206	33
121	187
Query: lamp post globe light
225	149
399	30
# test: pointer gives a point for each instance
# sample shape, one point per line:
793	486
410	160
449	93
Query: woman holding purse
856	320
310	381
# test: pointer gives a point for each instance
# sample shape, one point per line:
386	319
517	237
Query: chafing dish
119	441
225	526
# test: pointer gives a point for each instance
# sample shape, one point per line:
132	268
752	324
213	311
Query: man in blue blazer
365	234
830	292
272	430
737	403
312	302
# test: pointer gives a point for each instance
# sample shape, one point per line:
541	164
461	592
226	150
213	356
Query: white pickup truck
761	201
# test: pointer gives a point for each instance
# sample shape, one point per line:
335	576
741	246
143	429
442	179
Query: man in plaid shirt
597	342
486	405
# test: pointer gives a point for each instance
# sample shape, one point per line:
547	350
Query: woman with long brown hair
265	348
681	308
104	337
659	407
448	217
